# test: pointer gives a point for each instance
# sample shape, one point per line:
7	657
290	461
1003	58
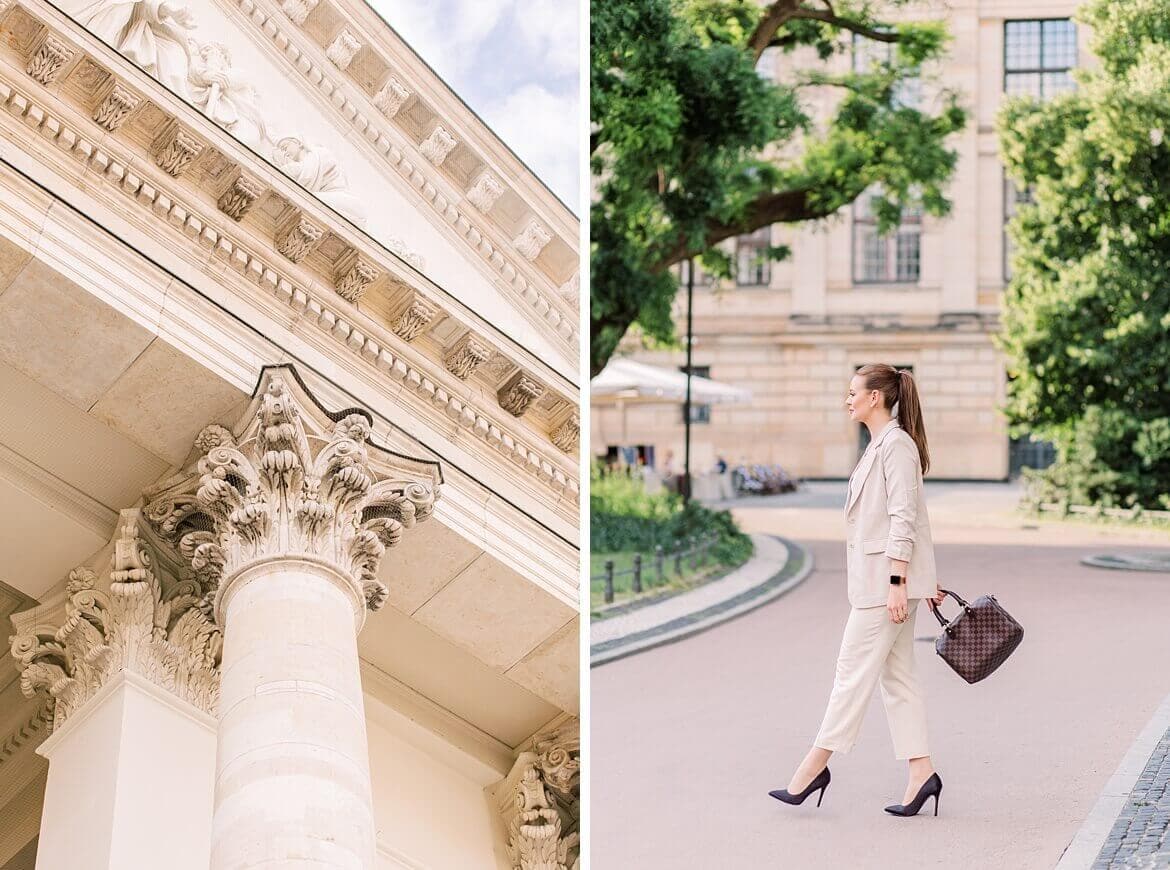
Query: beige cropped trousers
876	650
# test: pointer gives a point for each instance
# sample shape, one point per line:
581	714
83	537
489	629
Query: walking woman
890	568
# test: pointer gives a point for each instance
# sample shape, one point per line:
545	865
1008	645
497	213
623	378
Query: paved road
687	739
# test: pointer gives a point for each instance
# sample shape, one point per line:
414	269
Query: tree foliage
690	145
1087	311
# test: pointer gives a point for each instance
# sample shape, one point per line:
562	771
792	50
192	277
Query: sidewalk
776	566
1129	825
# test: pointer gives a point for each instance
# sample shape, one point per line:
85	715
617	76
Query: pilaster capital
66	650
540	801
292	480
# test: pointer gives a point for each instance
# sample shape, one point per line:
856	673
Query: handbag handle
945	623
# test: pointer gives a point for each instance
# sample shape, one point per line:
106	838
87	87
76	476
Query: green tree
691	146
1087	311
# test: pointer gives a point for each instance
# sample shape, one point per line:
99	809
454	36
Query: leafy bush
624	517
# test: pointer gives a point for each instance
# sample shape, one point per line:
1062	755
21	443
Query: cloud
552	29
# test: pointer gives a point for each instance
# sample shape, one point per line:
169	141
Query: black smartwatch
897	579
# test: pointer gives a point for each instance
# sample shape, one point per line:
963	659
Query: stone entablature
387	114
210	175
67	652
540	802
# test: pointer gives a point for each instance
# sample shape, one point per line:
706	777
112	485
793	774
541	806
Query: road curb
795	571
1082	852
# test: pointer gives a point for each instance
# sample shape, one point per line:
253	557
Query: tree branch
783	11
846	24
786	206
774	18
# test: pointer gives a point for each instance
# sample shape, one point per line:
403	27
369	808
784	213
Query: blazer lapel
857	480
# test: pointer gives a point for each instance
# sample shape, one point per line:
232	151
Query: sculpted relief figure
315	168
151	33
223	94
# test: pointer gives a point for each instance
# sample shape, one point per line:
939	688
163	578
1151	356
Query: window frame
890	241
1040	70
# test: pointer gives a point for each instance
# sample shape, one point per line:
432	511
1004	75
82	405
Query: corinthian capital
66	651
292	480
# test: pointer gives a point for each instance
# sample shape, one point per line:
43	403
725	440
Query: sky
516	64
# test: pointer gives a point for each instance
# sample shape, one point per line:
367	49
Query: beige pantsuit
885	515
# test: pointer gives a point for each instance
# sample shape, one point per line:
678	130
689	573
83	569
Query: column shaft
292	784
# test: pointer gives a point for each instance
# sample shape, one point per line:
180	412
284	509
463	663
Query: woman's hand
938	597
897	605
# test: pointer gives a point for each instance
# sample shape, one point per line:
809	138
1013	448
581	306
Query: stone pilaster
287	516
540	802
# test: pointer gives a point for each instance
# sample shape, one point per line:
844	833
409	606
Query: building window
1013	198
892	258
870	55
699	413
753	268
1038	57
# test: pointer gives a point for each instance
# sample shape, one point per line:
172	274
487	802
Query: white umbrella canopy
624	380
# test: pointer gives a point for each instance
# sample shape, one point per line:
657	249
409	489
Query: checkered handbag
979	639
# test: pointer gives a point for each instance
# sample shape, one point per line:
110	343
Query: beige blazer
885	518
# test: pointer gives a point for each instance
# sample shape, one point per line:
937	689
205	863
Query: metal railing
695	550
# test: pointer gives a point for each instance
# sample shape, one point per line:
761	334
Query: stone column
286	518
130	677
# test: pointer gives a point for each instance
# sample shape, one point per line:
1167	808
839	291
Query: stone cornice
197	222
536	290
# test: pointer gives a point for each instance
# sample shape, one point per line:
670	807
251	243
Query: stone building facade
289	486
926	297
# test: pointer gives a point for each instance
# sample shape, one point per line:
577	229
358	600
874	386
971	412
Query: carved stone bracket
414	319
292	480
466	355
438	145
297	237
532	241
343	48
298	10
175	149
567	436
47	61
354	274
116	107
518	392
136	626
486	190
391	97
540	803
240	197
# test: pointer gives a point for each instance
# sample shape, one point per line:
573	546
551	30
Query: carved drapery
540	801
136	626
292	481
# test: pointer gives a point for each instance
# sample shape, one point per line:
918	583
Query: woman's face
861	402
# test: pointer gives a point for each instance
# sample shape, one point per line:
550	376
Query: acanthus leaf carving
518	393
415	318
391	97
540	802
298	10
567	436
116	107
240	197
343	48
136	626
298	236
466	355
281	490
175	150
437	146
486	190
48	60
532	240
354	274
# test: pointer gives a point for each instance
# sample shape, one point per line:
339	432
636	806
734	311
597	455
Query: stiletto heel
821	782
931	788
